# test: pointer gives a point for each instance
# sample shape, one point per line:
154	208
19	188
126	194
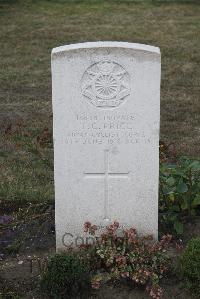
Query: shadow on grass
8	1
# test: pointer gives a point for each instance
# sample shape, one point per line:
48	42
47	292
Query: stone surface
106	101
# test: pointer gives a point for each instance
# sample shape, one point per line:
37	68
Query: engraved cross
105	175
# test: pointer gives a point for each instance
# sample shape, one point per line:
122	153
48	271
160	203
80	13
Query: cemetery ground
29	30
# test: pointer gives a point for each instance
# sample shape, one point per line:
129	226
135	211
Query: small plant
66	276
190	266
126	255
179	192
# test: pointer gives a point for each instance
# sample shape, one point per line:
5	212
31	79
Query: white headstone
106	110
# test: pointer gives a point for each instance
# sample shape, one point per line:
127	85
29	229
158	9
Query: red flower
121	259
125	274
87	226
116	224
95	285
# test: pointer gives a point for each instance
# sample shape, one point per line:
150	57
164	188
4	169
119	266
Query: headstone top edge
106	44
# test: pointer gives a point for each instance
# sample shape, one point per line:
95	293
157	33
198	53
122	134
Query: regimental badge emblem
106	84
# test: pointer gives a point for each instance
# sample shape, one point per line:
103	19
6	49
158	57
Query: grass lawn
28	32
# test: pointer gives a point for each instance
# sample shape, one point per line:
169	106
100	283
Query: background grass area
28	32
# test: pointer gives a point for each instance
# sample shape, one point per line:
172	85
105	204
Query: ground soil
29	243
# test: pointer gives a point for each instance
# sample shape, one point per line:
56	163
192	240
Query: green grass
30	29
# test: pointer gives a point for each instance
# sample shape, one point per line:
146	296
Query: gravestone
106	98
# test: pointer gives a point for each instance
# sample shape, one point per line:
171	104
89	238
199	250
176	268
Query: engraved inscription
105	175
106	129
106	84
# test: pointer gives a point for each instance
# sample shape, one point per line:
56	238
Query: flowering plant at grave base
126	255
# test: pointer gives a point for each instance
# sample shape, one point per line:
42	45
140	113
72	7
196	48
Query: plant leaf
170	181
195	165
171	196
167	190
184	204
175	208
182	188
178	226
196	201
